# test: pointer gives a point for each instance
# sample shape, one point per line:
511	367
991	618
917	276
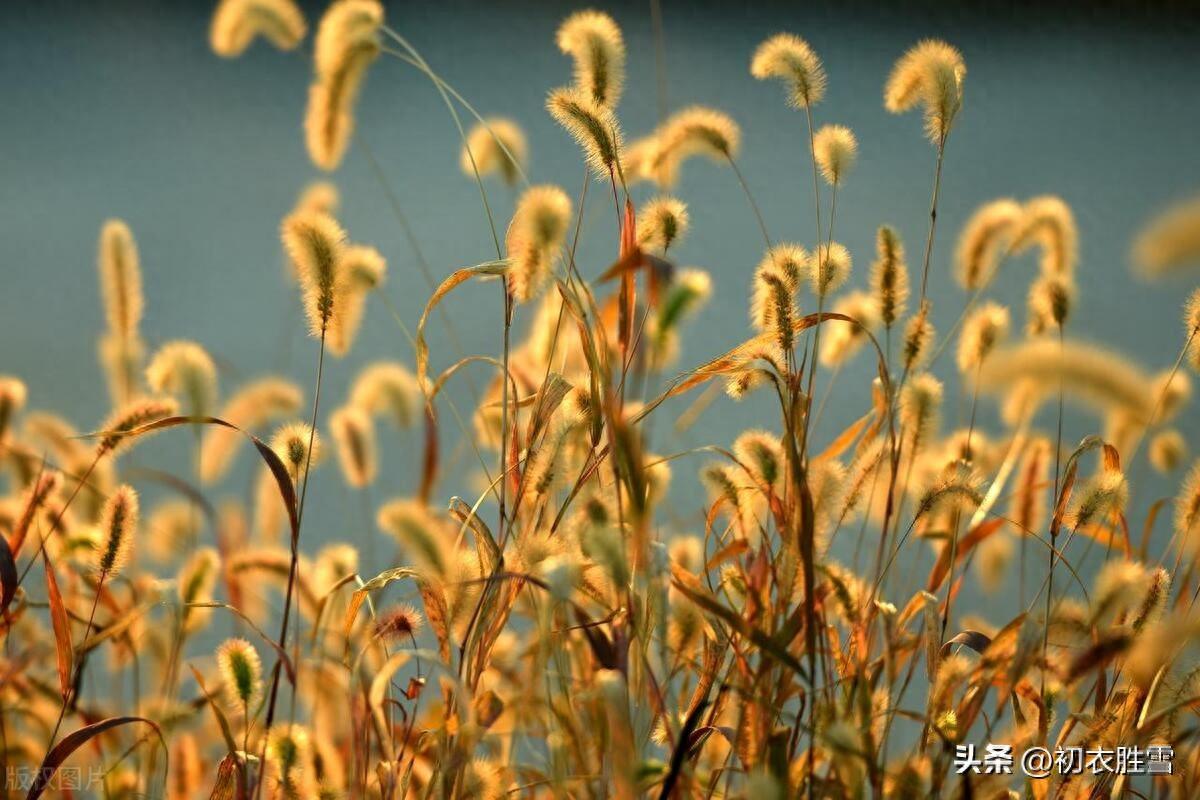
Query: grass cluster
555	633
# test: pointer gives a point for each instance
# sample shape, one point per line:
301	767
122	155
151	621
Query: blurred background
121	110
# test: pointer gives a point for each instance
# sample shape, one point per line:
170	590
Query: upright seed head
920	404
535	237
236	23
835	150
241	672
496	145
594	42
593	126
120	279
1050	301
292	443
931	74
889	275
118	527
984	240
790	59
918	339
830	268
985	328
354	439
1187	510
195	583
1101	497
185	370
315	242
121	358
1191	324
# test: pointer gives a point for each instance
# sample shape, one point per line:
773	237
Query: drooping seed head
593	126
1171	241
185	370
1047	223
1168	449
390	388
982	330
1099	498
252	406
346	44
931	74
399	622
984	240
496	145
791	60
236	23
661	223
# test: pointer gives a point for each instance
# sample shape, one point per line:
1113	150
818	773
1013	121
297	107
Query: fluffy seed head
920	403
118	527
1187	509
593	126
1168	449
12	400
1048	224
594	41
1171	241
1173	390
1100	497
314	242
985	328
388	387
1050	300
321	197
661	223
195	582
761	454
918	339
292	443
496	145
185	370
129	418
830	267
354	440
235	23
535	237
252	406
790	59
346	45
241	672
842	340
120	279
422	535
699	130
361	270
835	150
931	73
889	275
397	623
984	240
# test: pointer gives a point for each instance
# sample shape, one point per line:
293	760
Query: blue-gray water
122	110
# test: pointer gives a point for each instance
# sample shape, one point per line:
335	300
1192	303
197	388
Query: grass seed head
594	41
534	240
496	145
185	370
118	528
354	440
791	60
835	150
236	23
593	126
985	239
889	275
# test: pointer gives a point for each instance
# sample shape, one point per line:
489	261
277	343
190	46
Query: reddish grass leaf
73	741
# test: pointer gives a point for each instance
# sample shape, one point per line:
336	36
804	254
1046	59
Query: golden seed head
345	25
661	223
354	440
593	126
790	59
241	672
699	130
346	44
120	279
423	536
131	417
118	527
1050	300
314	243
1099	498
918	339
235	23
985	328
399	622
1048	224
1168	449
1171	241
840	341
292	443
931	74
321	197
195	584
920	404
835	150
594	42
985	239
761	454
496	145
252	406
889	275
388	387
185	370
1187	509
829	269
535	238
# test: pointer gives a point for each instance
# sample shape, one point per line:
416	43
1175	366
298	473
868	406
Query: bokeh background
120	109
